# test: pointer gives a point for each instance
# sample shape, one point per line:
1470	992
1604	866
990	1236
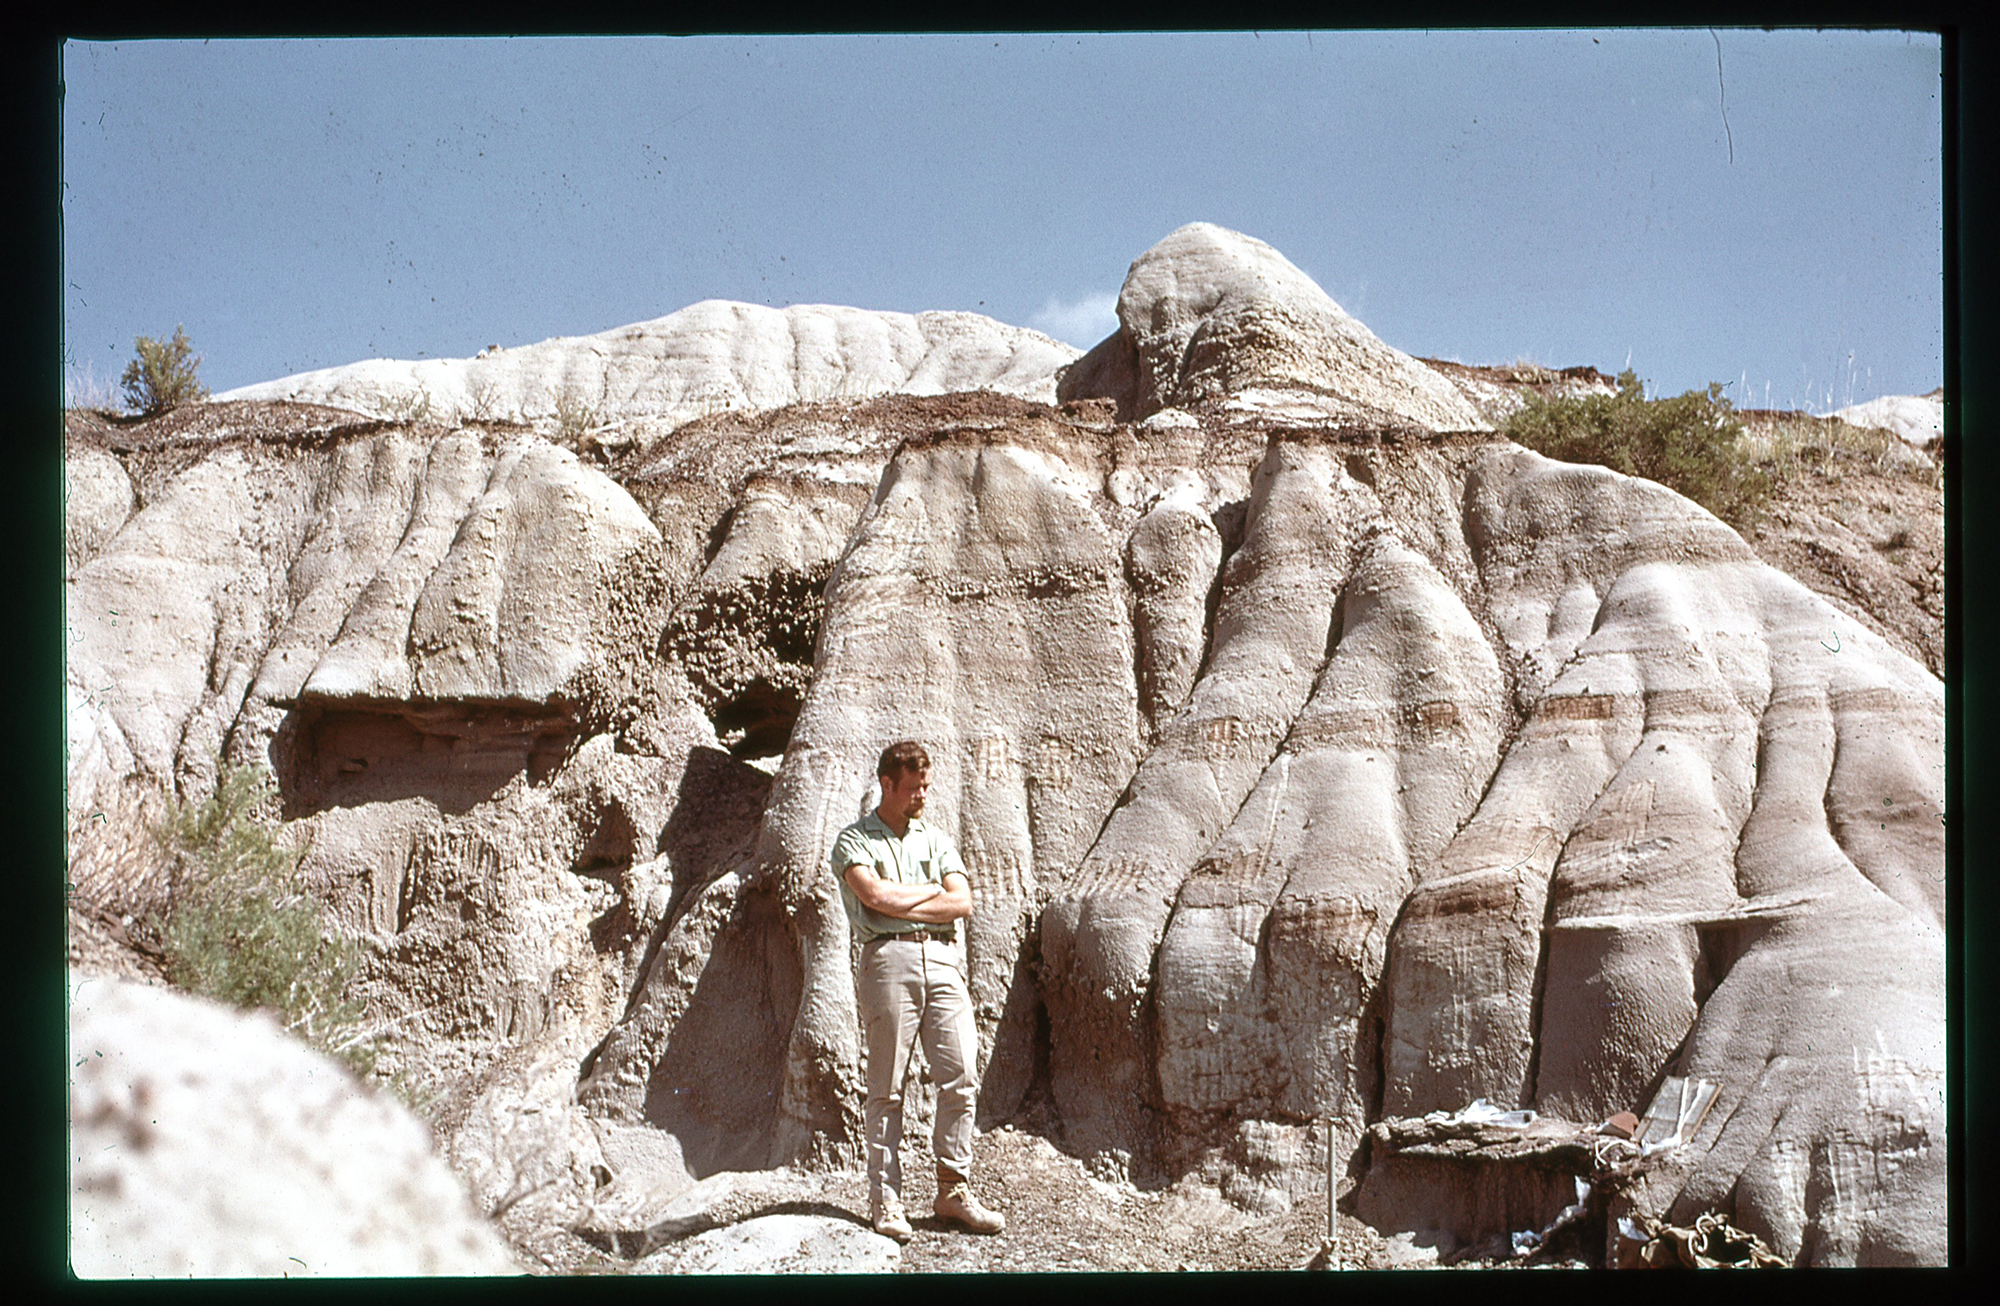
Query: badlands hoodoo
1320	760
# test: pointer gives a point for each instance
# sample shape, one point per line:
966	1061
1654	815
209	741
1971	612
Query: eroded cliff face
1315	755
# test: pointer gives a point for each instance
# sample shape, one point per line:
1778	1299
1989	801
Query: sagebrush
236	926
410	406
163	376
482	398
1692	443
576	414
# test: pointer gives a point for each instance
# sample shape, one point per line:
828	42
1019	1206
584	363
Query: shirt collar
916	824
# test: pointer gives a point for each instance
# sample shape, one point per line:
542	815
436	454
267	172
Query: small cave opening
756	722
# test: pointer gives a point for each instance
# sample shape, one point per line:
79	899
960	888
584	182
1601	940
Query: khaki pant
912	988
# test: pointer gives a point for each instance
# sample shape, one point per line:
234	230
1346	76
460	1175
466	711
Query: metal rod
1329	1188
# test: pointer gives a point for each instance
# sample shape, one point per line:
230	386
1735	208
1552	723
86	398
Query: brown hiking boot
956	1203
885	1216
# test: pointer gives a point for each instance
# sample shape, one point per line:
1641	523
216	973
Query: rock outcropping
1211	315
1317	757
1913	419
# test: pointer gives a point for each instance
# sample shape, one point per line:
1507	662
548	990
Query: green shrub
1692	443
236	927
163	375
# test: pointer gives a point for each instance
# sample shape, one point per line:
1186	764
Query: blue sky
1564	197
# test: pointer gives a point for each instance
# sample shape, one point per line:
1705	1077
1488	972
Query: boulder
789	1244
508	611
167	624
1913	419
205	1142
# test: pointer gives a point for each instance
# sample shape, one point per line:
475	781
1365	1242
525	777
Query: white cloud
1082	322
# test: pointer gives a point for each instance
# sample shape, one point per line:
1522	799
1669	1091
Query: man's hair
901	759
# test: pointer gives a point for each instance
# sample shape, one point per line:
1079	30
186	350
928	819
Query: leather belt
940	936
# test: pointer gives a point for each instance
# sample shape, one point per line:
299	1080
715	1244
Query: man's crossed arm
927	904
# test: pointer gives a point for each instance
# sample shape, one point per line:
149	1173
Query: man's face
904	794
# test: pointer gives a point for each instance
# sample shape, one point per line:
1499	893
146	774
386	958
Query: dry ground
1859	519
1060	1219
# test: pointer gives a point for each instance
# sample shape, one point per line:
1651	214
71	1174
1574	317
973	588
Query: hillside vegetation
1692	442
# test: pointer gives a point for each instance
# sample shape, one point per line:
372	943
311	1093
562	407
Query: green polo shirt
919	857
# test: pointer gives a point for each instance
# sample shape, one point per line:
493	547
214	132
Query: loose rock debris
1491	1184
1712	1243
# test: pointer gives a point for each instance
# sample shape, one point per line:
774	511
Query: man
905	890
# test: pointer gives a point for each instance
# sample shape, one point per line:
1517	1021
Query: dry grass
412	407
209	890
117	866
576	414
83	388
1791	445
